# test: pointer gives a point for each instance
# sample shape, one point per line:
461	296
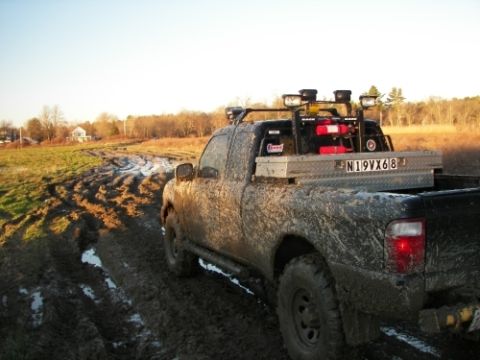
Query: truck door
203	212
238	175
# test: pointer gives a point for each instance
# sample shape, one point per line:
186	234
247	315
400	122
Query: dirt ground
95	285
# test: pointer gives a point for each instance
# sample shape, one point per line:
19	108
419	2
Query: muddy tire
308	310
181	262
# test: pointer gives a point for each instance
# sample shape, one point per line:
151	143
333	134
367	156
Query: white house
79	134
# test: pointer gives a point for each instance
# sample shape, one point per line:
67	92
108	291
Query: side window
242	157
214	158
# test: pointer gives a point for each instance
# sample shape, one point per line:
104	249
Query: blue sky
152	57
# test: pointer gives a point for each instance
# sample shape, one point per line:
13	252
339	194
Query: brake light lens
405	246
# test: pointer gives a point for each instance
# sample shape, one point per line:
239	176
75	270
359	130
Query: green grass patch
25	174
35	231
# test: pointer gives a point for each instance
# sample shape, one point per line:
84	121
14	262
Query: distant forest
393	109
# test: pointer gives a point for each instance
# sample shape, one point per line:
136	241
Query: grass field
25	174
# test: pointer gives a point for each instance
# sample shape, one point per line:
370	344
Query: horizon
157	58
73	123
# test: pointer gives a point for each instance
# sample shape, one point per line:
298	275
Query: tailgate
453	239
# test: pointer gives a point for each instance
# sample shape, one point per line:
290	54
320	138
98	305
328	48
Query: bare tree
6	129
51	118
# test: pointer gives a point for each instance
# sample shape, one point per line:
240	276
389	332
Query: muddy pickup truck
317	208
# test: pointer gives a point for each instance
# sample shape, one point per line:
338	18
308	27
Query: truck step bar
235	269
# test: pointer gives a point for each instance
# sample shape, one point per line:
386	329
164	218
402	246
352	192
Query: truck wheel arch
291	246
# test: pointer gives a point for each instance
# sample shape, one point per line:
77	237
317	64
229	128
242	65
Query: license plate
475	325
369	165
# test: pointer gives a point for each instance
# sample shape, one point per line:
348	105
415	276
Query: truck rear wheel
180	261
308	310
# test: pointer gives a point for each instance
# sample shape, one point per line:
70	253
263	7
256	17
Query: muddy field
95	285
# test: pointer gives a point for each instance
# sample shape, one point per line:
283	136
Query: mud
94	285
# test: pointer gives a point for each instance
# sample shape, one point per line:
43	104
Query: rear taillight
405	246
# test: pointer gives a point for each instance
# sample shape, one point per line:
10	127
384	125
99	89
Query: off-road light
342	96
368	101
309	95
405	246
232	112
292	100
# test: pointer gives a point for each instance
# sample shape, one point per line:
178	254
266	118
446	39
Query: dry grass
179	149
461	150
420	129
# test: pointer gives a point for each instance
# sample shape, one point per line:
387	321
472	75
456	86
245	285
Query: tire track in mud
105	200
196	318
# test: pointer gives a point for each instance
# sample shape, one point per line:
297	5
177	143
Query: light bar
292	100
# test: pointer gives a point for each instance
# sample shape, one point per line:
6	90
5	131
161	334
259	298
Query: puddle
90	257
147	167
110	283
411	340
23	291
136	319
37	308
88	292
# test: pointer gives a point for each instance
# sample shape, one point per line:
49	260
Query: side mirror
184	172
208	172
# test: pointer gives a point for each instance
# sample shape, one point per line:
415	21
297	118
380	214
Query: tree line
393	109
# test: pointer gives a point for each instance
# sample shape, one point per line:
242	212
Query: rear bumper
452	278
386	295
